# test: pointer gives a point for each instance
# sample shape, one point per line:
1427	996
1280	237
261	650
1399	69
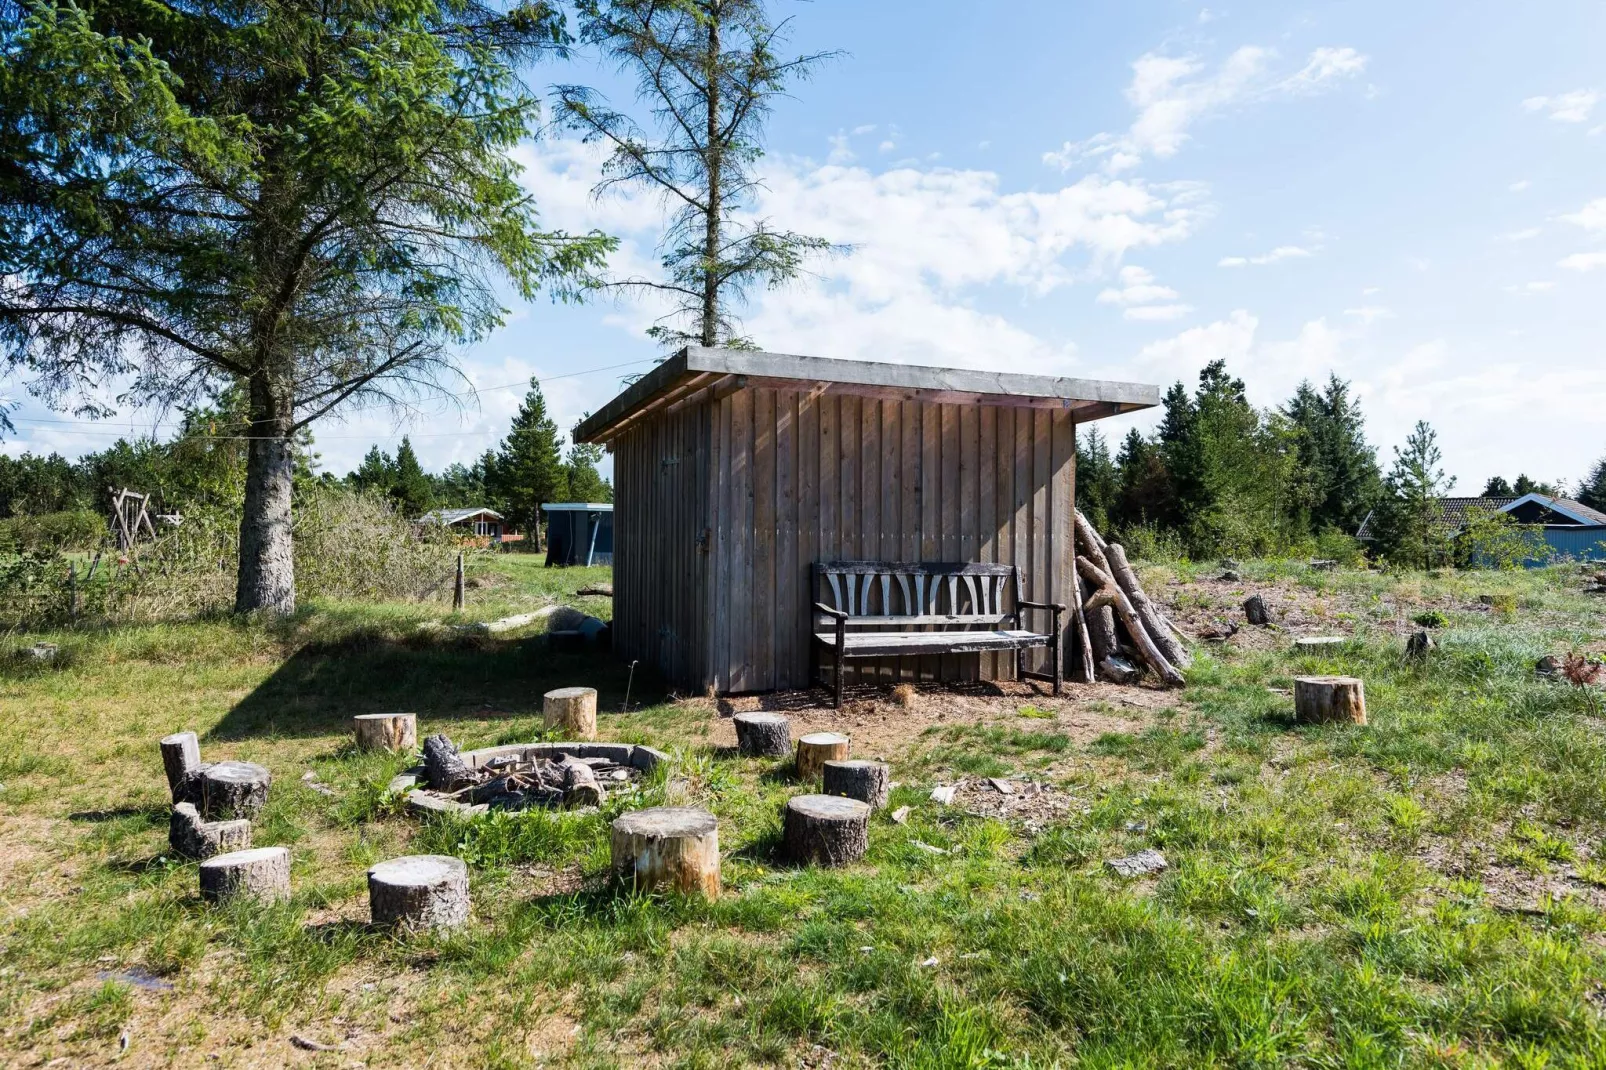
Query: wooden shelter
735	472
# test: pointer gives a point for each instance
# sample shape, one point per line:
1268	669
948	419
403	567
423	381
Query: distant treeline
47	499
1219	476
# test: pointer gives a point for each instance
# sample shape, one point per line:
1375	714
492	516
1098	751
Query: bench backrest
939	593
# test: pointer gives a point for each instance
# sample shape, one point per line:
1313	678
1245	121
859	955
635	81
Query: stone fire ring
634	755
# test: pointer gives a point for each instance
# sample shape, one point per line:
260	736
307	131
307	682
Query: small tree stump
181	760
573	709
763	735
262	874
1321	699
234	789
191	837
1255	610
667	847
826	830
419	892
817	748
1419	646
394	732
1315	644
866	781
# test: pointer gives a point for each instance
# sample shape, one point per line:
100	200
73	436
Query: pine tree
1145	495
376	473
1338	474
1097	480
1524	485
580	469
528	468
1497	487
1592	491
1410	521
410	488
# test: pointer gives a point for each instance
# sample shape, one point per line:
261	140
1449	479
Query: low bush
65	531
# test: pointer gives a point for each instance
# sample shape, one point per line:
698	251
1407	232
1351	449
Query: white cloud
1583	261
1137	288
865	128
1574	107
1282	252
1325	64
887	146
1172	93
1519	185
1151	313
1527	289
1522	235
1591	216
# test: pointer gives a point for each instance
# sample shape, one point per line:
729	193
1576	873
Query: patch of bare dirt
881	726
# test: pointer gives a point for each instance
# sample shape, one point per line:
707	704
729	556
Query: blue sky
1411	195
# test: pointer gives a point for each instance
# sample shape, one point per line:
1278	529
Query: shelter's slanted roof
696	369
448	517
1453	512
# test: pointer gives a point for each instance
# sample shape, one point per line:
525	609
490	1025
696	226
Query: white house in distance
480	523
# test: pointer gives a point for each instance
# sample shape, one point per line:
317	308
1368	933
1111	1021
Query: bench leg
1059	654
841	666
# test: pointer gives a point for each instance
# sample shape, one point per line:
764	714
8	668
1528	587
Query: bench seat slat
874	644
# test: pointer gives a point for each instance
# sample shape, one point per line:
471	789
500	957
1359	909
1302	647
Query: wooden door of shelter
735	472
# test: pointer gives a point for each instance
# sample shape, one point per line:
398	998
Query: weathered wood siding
797	477
661	492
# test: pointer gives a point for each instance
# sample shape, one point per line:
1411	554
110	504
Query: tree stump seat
673	848
234	789
572	709
261	874
419	892
868	782
393	732
825	830
763	735
817	748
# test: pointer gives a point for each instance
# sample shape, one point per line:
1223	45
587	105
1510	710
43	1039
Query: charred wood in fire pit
443	768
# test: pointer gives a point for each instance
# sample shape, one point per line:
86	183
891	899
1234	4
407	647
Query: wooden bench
884	608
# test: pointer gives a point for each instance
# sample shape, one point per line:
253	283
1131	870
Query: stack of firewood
1118	627
513	783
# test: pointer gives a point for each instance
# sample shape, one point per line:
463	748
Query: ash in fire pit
522	775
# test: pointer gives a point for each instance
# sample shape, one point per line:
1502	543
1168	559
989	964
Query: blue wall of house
1578	544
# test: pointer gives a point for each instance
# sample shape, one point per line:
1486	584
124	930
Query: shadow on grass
319	688
154	814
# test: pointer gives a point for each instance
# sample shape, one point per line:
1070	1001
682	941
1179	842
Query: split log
262	874
1101	627
1092	543
1153	620
869	782
826	830
181	760
763	735
673	848
191	837
419	892
1255	611
1151	655
580	787
572	709
394	732
817	748
1322	699
234	789
444	769
1082	665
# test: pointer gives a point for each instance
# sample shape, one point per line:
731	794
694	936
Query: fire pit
522	775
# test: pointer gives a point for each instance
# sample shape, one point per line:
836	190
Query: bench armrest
1059	606
828	611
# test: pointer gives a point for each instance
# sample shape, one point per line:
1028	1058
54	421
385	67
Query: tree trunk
1325	699
267	573
713	159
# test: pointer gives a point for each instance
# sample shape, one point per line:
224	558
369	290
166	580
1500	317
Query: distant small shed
1572	530
482	522
579	533
736	471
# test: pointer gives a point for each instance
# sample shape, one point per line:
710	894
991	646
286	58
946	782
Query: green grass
1426	891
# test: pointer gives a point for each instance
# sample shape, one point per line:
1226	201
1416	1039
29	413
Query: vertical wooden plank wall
795	477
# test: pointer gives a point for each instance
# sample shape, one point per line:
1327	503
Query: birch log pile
1121	620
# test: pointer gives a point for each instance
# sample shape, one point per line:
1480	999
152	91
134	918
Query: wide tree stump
1321	699
826	830
394	732
191	837
181	760
868	782
234	789
573	709
817	748
667	847
419	892
1255	611
763	735
262	874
